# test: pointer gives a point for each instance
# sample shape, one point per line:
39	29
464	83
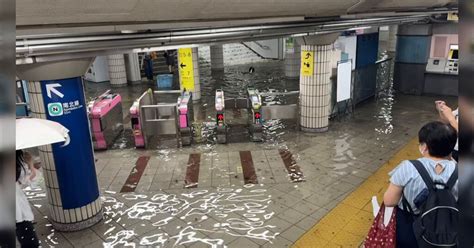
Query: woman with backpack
425	191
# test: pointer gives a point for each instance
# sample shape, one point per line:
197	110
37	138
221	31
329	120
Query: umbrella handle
67	141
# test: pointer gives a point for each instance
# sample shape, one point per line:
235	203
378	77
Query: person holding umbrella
31	132
25	173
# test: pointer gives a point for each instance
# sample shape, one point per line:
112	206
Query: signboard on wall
64	103
186	68
290	45
307	63
453	16
344	76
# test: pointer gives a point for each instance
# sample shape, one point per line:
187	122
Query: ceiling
46	14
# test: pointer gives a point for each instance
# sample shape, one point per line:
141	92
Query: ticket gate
106	119
255	118
221	126
289	110
252	103
151	118
186	118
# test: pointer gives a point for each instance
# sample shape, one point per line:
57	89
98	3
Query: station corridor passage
272	194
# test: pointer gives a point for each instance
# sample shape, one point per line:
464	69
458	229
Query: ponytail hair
20	163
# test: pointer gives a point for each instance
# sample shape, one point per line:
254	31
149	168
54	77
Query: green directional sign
55	109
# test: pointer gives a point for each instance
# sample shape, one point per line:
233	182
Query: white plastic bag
376	208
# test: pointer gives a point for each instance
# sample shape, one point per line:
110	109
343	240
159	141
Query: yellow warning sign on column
186	69
307	63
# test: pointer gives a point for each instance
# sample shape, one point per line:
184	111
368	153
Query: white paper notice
344	74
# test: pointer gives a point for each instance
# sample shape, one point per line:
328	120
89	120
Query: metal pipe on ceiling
98	44
43	39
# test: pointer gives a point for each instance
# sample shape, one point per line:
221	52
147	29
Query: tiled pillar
217	57
133	68
315	90
117	71
197	85
69	171
292	61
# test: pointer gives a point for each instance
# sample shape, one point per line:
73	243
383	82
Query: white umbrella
32	132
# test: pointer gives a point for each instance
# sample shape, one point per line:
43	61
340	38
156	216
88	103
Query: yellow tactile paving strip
348	223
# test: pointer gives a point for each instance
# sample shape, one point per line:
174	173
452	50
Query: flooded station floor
241	194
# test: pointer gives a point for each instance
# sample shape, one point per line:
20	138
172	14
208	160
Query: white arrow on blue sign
52	88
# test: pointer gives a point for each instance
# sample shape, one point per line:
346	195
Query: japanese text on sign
307	63
186	69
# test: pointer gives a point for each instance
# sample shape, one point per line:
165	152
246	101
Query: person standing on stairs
169	59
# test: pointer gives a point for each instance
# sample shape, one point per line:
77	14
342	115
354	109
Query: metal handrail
288	93
160	105
167	92
383	60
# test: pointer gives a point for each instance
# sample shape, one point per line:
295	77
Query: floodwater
200	216
234	80
211	216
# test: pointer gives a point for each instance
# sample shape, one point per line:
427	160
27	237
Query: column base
118	85
292	76
315	130
135	82
77	226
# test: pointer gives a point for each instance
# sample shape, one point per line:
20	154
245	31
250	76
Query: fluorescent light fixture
299	35
359	28
163	48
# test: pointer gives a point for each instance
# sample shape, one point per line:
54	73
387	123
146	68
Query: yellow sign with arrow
186	68
307	63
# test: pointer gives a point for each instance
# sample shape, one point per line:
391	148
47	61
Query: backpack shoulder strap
406	205
453	178
423	173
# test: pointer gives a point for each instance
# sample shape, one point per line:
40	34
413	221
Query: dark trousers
26	234
405	235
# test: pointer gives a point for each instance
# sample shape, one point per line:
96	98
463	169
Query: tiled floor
347	224
276	212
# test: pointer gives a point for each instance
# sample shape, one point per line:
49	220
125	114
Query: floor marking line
192	171
248	168
135	174
294	170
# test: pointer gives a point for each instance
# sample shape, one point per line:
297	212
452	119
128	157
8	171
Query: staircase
159	64
266	49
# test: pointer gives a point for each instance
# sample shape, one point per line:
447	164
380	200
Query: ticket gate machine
151	117
256	120
221	126
106	119
186	117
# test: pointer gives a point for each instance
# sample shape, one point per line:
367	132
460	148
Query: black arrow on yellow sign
182	65
308	55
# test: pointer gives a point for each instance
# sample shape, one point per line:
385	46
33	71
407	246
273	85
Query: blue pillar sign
64	103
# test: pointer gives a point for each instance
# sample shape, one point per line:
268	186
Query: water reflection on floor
273	213
194	215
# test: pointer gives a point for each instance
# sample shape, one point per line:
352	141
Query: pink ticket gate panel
186	117
138	135
106	119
